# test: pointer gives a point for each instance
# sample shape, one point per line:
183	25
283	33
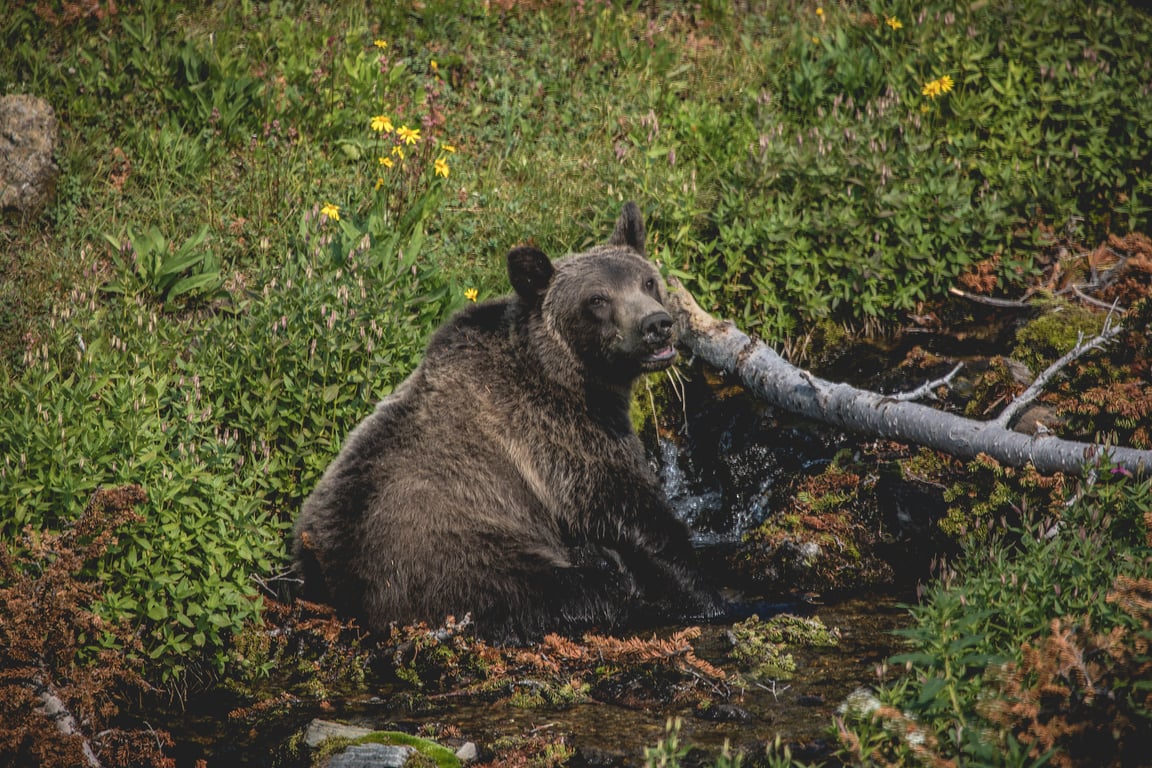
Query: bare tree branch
928	388
54	709
1037	386
769	376
991	301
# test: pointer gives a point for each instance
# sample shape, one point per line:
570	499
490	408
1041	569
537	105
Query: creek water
724	461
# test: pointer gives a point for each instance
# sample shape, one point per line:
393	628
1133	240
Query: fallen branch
928	388
770	377
1037	386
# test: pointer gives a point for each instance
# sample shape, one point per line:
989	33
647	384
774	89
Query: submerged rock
371	756
366	748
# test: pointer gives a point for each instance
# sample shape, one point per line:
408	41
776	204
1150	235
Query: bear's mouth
660	358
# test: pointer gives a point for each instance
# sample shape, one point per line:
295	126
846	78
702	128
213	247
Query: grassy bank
264	208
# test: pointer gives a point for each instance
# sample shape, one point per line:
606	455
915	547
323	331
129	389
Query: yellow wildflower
398	151
448	148
893	22
441	167
434	65
409	135
386	162
379	182
820	12
815	40
380	43
331	211
937	87
382	123
471	294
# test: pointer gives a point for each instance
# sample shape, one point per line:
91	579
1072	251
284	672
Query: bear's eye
597	301
650	284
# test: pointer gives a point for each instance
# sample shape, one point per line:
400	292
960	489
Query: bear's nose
657	327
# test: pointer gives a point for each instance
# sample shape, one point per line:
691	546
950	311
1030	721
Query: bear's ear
530	272
629	228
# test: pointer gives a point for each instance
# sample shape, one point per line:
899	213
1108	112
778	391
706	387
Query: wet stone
319	731
370	756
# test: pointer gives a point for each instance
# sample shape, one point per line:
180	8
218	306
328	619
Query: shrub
985	681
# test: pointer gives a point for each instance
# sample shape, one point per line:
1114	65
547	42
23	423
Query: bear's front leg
670	588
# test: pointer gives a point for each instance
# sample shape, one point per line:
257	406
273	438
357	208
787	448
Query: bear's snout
656	331
657	328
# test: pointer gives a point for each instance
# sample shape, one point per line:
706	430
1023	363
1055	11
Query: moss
762	646
1047	338
428	753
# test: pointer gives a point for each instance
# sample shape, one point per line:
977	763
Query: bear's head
599	314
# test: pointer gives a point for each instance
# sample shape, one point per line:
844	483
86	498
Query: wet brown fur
503	477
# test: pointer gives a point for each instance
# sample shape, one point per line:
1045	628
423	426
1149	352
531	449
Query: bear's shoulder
477	326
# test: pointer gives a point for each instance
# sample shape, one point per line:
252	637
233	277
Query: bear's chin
659	359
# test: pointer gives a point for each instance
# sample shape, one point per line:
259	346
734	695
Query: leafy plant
147	265
989	614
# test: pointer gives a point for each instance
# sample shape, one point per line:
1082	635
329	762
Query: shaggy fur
503	477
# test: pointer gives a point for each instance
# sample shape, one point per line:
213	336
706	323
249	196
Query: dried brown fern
56	707
1073	692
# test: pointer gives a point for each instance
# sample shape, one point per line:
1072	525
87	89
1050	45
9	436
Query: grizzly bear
503	478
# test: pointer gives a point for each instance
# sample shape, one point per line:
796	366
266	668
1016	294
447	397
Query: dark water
800	711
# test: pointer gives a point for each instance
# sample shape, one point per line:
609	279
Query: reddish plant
58	708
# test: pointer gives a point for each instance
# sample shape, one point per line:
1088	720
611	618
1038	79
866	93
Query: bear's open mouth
661	357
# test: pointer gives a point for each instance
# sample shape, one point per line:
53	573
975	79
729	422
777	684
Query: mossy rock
1050	336
427	753
762	646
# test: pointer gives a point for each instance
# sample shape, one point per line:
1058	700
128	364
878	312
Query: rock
1038	420
28	136
370	756
467	752
724	713
319	731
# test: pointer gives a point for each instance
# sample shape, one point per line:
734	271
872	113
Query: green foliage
837	184
786	180
670	751
978	617
224	448
147	266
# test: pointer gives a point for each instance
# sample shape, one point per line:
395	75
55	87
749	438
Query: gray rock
467	752
319	731
370	756
28	135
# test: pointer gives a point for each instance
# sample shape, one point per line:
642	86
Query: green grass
184	318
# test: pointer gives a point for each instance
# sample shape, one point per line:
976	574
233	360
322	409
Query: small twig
264	582
773	690
544	727
927	389
1076	289
1036	387
991	301
677	381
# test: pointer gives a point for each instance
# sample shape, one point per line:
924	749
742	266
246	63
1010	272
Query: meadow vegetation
265	208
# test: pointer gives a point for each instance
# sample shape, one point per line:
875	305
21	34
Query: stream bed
727	463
